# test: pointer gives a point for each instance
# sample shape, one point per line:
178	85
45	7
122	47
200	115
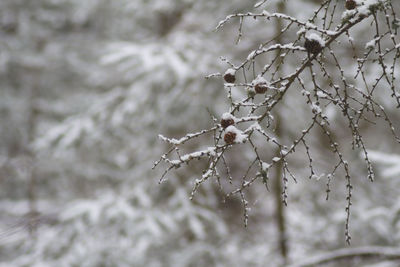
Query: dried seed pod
350	4
260	85
229	76
234	135
227	122
261	88
314	44
227	119
229	137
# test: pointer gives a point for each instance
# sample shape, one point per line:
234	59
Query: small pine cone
227	122
260	88
229	76
312	46
350	4
230	137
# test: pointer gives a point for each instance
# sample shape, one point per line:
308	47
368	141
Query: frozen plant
308	58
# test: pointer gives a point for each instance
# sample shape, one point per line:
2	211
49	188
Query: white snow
259	80
194	155
321	94
347	14
315	37
370	44
391	162
305	92
251	55
365	7
301	31
227	116
230	71
240	136
316	108
265	166
266	13
276	159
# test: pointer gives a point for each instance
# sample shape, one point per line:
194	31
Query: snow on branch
310	63
266	15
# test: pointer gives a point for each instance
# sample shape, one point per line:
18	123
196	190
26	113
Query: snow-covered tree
327	60
87	86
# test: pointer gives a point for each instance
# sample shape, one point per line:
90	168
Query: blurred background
85	89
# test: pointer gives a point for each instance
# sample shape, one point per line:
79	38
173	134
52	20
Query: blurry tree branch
381	253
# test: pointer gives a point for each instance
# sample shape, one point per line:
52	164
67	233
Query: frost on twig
310	63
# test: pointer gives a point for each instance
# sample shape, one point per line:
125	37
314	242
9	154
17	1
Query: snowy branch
323	80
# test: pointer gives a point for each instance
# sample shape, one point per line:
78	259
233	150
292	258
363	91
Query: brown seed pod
350	4
261	88
260	85
227	122
229	76
312	46
229	137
